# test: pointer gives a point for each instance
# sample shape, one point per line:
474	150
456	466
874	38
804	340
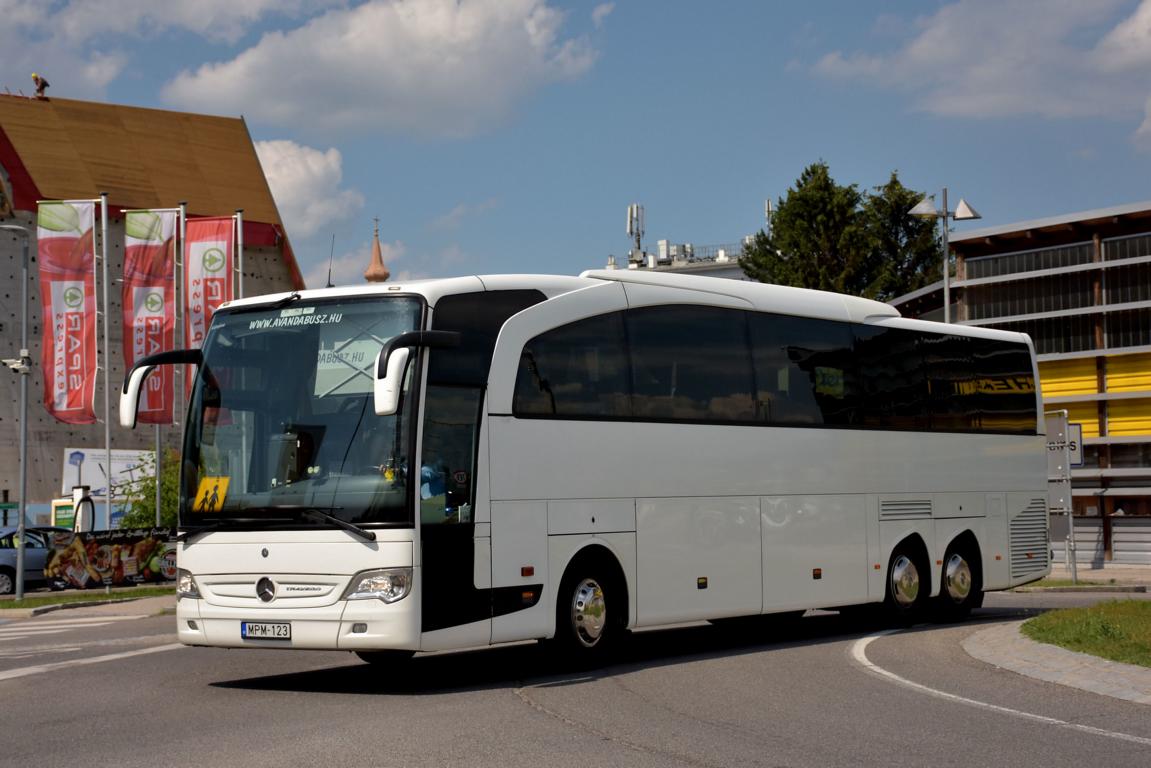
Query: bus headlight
186	585
387	584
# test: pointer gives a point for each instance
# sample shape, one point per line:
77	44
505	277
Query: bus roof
765	297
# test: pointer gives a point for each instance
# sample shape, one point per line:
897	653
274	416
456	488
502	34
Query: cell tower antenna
768	212
635	229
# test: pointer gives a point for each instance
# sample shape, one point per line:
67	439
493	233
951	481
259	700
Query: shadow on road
534	664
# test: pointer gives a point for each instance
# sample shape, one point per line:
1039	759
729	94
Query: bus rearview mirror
130	392
386	393
392	362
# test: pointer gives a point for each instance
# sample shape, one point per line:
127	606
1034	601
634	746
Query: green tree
904	250
833	238
141	497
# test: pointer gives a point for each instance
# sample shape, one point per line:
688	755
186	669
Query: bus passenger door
452	604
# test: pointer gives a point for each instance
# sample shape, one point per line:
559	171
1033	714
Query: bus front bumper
346	625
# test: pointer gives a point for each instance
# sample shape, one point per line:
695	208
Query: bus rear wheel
907	586
962	588
590	614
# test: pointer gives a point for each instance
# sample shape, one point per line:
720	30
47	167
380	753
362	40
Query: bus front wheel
590	613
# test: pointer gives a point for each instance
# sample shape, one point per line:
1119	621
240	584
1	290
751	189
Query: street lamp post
23	366
925	209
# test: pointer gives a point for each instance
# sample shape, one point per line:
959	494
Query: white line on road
12	674
859	653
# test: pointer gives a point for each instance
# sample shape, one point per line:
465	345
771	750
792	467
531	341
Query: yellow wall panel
1128	417
1129	373
1068	377
1086	414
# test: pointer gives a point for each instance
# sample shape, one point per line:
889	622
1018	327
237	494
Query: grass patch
86	596
1070	583
1119	630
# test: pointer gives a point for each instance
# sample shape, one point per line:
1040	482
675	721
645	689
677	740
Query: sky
509	136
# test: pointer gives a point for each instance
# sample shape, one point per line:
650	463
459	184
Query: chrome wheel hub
957	578
904	581
588	613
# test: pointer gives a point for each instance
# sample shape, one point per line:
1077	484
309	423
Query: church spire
376	271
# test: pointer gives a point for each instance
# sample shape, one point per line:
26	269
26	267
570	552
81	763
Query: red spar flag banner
148	298
207	274
66	249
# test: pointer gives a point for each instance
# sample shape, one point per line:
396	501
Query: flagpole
107	378
181	331
240	250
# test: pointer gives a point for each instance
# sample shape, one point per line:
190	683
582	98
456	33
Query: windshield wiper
218	525
318	514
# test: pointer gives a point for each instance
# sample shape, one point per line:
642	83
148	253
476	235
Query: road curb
27	613
1120	588
1004	645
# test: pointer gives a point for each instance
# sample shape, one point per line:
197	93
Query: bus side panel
520	559
996	557
561	551
814	551
697	558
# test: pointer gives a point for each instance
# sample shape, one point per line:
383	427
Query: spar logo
213	260
73	297
154	302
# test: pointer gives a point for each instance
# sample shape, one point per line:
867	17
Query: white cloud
455	217
1128	46
995	58
83	45
423	67
601	12
348	268
1142	136
224	20
305	183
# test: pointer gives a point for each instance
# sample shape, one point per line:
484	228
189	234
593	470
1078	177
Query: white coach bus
471	461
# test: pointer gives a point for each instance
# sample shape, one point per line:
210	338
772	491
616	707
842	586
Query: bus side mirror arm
392	362
130	392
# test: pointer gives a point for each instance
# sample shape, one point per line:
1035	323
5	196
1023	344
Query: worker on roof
41	85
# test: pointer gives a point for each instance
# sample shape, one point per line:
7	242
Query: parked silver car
38	542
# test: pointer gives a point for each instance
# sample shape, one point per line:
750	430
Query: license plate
265	630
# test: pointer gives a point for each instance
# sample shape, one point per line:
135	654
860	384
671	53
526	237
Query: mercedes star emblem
265	589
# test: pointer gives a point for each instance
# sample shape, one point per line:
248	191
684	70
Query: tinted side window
892	384
690	363
478	317
803	370
1006	395
576	371
979	385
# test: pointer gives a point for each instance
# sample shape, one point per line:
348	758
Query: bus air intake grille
905	509
1029	540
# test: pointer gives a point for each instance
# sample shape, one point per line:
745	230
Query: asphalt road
95	691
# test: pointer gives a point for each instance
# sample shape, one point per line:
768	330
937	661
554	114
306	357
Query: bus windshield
282	420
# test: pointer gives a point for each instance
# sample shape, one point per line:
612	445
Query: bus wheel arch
961	579
908	580
592	606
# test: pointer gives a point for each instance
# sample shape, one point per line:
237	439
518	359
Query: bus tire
591	612
908	585
398	658
961	587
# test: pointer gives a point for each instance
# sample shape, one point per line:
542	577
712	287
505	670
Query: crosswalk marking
25	630
41	668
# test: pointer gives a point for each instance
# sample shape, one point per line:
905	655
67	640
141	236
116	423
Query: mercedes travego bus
480	460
